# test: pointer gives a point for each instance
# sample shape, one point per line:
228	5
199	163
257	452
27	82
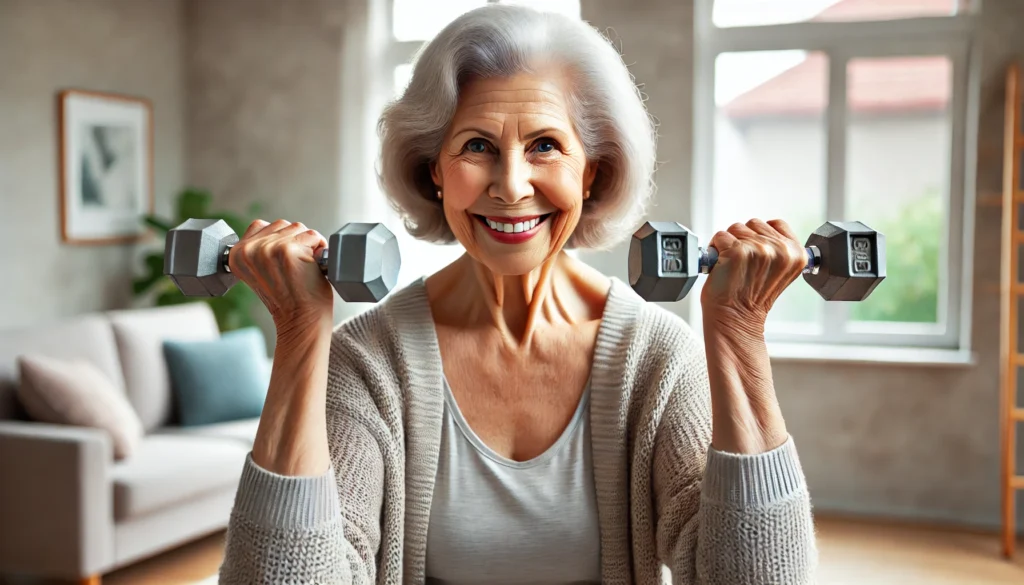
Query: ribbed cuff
753	480
269	499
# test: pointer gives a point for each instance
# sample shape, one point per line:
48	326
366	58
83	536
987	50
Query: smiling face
512	172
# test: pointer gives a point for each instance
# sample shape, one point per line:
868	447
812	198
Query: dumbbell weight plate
852	260
193	255
663	261
363	261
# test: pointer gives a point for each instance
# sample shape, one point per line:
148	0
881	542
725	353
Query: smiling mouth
513	227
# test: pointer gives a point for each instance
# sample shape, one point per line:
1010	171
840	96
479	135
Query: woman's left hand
756	262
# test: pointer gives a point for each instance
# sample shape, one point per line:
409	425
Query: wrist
302	328
726	323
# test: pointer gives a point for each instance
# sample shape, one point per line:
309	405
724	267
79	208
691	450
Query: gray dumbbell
845	261
361	261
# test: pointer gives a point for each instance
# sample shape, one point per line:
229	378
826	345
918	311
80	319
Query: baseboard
908	517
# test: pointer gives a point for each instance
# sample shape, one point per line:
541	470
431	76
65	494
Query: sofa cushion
219	380
168	469
241	431
140	334
75	392
88	337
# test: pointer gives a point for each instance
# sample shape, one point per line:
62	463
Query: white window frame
950	36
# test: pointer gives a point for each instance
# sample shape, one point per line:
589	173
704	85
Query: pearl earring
438	194
587	194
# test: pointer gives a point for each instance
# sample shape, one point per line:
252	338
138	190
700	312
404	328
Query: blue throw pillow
219	380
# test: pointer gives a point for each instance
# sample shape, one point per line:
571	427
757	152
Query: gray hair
605	106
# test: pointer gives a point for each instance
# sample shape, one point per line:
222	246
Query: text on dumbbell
861	254
672	250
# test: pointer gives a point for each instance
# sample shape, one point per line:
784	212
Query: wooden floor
853	552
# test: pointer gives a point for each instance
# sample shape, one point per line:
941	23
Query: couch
67	509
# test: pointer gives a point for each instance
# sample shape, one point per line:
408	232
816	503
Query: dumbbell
845	261
361	260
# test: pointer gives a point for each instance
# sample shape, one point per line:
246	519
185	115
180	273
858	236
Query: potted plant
234	309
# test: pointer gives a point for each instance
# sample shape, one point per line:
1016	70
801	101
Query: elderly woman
519	417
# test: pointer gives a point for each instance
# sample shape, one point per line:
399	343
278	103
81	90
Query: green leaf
193	203
154	264
156	223
172	296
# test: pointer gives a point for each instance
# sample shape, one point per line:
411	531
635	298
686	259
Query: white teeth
510	228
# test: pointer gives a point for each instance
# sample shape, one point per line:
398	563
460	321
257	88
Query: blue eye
544	145
476	146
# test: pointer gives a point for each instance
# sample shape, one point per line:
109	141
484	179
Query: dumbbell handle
709	257
321	259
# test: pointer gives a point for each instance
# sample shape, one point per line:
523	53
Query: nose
513	179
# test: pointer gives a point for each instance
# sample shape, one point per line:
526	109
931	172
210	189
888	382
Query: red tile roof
885	9
893	84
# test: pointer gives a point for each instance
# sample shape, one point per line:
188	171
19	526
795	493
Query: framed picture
106	166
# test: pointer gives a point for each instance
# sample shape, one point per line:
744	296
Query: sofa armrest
55	499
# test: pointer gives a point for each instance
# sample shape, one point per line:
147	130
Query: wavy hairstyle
605	106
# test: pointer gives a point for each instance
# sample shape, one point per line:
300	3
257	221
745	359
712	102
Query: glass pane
416	20
770	153
402	76
567	7
897	178
730	13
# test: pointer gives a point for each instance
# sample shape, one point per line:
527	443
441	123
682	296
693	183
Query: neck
558	292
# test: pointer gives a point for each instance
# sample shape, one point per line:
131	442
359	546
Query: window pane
770	153
401	77
729	13
897	178
416	20
566	7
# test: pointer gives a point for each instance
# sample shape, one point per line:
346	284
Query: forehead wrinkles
510	101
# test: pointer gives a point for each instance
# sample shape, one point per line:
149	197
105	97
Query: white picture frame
106	166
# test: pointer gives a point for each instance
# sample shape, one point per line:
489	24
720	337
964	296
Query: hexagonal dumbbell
845	261
361	260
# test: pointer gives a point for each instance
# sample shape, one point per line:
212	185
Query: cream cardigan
664	497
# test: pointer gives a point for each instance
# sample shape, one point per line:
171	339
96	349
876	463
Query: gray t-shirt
495	521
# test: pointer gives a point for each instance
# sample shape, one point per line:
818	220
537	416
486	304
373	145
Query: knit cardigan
665	498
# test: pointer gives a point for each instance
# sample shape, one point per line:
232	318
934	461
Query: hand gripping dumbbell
361	260
845	261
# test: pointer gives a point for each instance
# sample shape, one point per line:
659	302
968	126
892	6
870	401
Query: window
397	31
851	110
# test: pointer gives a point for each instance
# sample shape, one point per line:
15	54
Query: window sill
805	352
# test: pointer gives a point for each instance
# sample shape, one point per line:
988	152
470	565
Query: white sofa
67	509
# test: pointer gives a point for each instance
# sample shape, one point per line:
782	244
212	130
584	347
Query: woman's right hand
278	262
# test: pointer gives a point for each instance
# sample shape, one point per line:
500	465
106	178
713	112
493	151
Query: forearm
292	435
746	417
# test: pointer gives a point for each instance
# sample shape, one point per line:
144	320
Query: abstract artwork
106	166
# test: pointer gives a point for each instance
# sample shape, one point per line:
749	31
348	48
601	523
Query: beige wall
45	46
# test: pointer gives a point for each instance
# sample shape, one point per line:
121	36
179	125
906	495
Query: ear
589	174
435	174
